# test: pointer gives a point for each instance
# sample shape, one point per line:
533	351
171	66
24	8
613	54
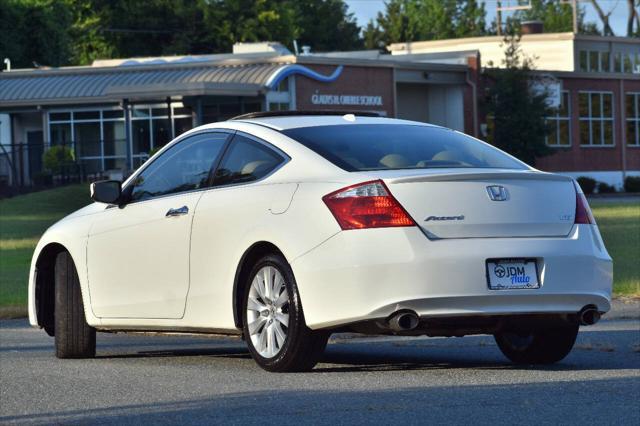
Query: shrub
605	188
56	157
632	184
587	184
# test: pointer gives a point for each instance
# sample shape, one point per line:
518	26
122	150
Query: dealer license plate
508	274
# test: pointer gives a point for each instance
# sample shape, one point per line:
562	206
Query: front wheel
273	322
73	336
544	346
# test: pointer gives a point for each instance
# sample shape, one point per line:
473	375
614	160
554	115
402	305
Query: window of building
151	128
560	123
594	61
632	101
96	137
626	62
596	118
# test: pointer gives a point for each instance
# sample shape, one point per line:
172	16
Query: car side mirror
106	191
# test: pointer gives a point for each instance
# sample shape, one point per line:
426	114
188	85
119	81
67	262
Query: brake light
367	205
583	212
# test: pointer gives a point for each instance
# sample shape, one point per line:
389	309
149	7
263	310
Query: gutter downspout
474	97
623	121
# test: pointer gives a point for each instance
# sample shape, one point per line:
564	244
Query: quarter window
596	118
184	167
246	161
633	119
560	124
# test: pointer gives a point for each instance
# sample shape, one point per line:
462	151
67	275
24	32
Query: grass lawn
24	218
619	225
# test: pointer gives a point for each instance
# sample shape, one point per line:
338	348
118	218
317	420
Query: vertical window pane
630	106
593	61
604	61
583	61
114	138
632	138
595	105
596	132
140	136
161	132
552	137
564	105
584	133
607	105
607	132
627	63
617	62
87	139
563	133
60	134
583	104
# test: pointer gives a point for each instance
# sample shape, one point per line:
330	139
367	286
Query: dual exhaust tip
409	320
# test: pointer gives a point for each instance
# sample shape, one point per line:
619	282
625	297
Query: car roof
281	123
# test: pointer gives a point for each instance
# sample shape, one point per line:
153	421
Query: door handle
177	212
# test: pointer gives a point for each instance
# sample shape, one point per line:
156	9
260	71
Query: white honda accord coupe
286	228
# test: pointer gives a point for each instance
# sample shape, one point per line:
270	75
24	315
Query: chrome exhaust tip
404	321
588	315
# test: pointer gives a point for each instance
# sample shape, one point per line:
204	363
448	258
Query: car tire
302	347
74	338
544	346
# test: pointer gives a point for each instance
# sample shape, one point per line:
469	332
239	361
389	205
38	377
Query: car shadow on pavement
527	403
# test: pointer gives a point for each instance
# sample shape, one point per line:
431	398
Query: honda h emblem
497	193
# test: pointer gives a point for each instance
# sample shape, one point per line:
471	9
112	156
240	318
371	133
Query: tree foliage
516	113
412	20
63	32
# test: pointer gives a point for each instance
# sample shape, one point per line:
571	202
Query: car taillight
367	205
583	212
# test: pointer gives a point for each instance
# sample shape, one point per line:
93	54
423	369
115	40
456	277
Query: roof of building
104	84
542	37
143	79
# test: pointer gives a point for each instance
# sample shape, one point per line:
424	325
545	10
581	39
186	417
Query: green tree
35	31
412	20
516	113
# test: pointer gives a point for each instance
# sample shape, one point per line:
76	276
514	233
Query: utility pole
574	5
499	16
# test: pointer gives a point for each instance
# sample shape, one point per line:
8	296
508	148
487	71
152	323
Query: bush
56	158
587	184
632	184
605	188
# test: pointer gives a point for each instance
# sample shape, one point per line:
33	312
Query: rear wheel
273	322
74	337
544	346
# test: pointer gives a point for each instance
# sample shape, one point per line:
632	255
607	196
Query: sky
365	10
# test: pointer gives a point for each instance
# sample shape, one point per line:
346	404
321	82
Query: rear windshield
358	147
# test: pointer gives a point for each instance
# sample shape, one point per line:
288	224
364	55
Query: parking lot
185	379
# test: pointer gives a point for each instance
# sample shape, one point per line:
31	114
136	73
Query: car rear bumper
370	274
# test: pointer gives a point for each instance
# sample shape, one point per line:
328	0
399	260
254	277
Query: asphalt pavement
141	379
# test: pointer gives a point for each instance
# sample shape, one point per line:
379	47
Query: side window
246	161
184	167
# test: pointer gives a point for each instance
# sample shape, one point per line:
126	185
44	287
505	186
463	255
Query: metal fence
23	169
